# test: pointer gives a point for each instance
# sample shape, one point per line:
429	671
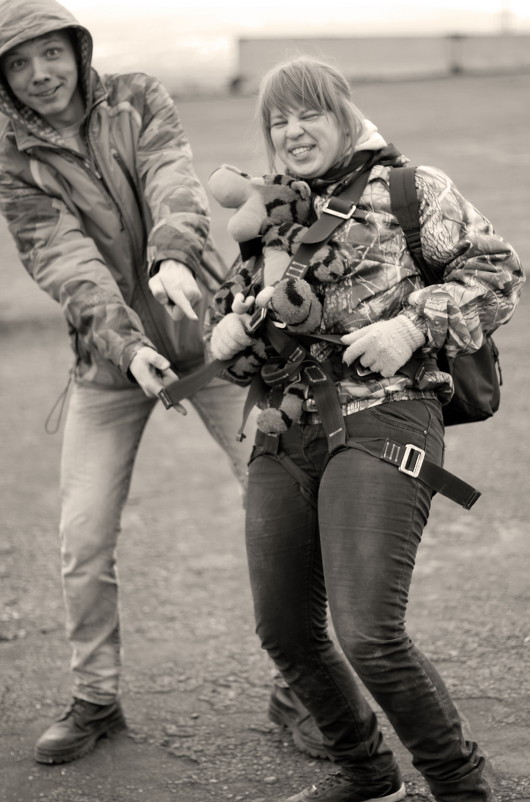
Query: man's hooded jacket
88	226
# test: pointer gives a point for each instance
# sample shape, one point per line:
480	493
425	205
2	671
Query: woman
343	528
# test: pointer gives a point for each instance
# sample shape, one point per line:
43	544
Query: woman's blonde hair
310	83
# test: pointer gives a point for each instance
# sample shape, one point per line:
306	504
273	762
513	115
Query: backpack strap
406	208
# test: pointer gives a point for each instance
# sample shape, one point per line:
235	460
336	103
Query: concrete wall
387	57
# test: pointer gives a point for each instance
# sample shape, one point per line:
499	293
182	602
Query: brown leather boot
76	732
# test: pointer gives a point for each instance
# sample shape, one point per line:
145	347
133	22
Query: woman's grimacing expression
42	73
308	142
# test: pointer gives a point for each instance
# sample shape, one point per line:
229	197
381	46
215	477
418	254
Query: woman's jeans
101	439
356	550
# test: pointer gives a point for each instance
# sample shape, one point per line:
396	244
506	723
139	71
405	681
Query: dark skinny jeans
355	550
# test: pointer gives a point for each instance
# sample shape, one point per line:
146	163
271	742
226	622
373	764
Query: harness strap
327	402
407	458
335	211
176	391
256	391
410	460
269	445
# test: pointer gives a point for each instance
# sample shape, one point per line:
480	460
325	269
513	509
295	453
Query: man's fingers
168	378
158	289
181	306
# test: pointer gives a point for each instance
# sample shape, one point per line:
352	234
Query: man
98	189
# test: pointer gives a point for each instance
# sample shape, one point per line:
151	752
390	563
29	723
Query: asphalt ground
195	684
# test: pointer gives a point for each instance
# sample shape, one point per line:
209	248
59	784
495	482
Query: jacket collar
28	137
360	161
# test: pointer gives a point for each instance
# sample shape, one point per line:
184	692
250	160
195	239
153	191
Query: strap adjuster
336	212
315	374
415	457
256	320
165	398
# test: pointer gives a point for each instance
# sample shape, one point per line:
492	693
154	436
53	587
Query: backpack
476	376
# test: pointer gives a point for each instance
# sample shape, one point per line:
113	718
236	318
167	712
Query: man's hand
175	288
153	372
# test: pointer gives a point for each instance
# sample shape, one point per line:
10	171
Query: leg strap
410	460
270	445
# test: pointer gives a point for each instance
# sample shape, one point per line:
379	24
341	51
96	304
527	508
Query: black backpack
477	376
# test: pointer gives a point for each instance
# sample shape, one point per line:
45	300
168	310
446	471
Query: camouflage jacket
482	281
88	225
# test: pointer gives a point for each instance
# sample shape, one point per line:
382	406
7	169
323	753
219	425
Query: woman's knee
373	654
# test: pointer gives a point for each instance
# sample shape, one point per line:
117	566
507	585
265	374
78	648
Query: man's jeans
357	551
101	439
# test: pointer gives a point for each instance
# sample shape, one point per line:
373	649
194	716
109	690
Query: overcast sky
200	36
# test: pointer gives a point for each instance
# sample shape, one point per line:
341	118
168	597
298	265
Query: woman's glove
385	346
230	337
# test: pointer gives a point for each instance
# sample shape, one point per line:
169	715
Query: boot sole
118	724
287	720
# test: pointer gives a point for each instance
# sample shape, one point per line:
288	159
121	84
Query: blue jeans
354	549
102	434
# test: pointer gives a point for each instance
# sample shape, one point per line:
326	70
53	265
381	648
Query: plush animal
275	208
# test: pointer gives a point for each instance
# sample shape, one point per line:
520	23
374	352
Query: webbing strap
269	445
407	458
329	409
182	388
336	210
411	460
405	206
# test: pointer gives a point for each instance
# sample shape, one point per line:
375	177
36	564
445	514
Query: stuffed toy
275	208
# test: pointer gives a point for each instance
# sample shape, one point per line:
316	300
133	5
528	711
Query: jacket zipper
141	276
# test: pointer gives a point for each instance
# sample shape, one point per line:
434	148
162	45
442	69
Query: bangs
310	84
293	87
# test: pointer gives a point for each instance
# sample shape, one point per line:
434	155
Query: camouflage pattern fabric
482	282
88	226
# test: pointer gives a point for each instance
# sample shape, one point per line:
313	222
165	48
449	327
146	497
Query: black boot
338	787
76	732
286	710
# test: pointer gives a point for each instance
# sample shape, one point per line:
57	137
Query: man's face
42	73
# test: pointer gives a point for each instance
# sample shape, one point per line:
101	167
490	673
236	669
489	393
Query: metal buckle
319	375
420	456
256	320
343	215
165	398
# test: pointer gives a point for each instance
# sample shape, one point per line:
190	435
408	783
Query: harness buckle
165	398
417	455
315	374
345	215
256	320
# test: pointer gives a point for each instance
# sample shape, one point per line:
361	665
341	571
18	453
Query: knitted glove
230	337
385	346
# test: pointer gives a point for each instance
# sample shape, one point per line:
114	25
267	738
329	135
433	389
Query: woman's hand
230	337
174	286
385	346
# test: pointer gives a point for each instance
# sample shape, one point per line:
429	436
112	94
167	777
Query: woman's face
307	141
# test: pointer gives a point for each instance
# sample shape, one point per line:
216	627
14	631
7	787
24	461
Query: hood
369	138
21	20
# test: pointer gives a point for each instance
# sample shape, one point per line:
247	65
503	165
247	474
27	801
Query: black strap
410	460
269	445
406	208
336	210
182	388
